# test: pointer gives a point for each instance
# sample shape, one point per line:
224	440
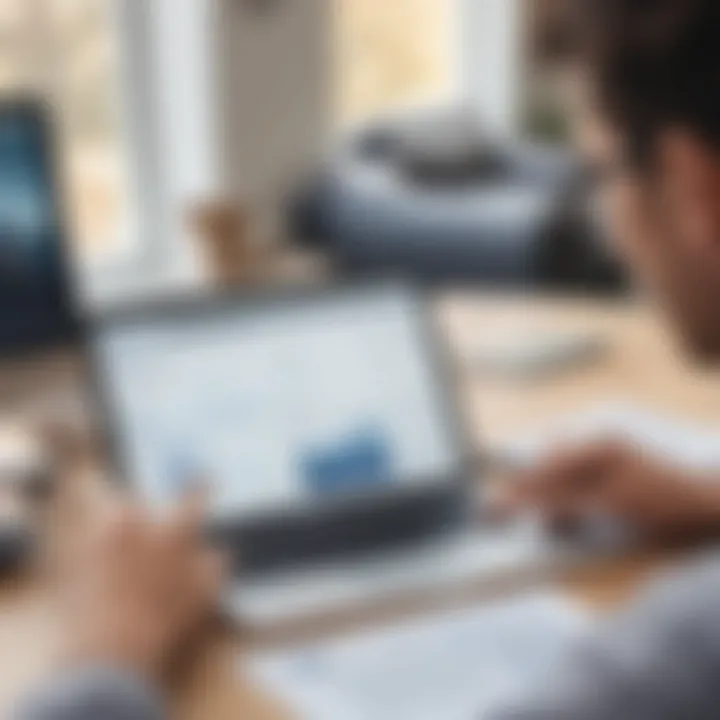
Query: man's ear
692	172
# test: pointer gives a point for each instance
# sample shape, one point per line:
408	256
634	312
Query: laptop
326	423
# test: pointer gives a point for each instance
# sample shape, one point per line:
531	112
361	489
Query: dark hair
653	64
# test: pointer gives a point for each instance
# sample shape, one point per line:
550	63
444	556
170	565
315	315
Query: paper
676	440
454	666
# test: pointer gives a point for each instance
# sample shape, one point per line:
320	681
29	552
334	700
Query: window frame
150	261
162	255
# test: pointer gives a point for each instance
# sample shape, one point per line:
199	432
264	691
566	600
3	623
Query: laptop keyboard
444	562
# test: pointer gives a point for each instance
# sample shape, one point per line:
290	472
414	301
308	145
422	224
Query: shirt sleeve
659	659
93	694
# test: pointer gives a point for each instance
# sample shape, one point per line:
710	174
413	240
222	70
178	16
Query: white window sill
104	287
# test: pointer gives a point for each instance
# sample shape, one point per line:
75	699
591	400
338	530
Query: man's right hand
616	480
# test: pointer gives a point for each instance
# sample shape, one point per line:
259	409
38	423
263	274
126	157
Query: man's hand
616	480
139	589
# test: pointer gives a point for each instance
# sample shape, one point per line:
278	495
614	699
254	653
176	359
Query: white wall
275	94
241	100
493	49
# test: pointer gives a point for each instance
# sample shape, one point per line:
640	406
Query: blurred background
157	147
429	137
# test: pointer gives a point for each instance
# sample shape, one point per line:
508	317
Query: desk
640	366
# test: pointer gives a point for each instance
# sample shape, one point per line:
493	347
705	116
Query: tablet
36	304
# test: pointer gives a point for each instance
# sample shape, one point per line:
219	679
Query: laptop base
497	559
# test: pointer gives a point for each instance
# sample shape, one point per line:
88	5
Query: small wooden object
232	255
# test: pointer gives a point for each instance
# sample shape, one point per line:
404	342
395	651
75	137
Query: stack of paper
455	666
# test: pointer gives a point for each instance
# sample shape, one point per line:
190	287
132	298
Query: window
391	53
68	52
546	104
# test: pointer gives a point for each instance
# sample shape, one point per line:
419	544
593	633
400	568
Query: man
652	70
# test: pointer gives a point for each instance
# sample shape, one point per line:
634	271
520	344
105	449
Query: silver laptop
326	423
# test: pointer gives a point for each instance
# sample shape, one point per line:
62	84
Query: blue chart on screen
358	461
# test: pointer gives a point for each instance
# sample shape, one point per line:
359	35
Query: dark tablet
36	309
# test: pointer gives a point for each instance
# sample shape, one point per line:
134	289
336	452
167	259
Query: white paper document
675	439
455	666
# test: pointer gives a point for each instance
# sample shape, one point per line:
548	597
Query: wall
241	104
275	97
494	52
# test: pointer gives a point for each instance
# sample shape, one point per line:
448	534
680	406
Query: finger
93	498
197	586
568	476
123	532
113	532
509	502
214	570
187	517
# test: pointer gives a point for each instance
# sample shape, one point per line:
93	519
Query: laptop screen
280	406
34	297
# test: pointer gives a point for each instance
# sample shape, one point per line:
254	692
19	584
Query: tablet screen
282	405
34	297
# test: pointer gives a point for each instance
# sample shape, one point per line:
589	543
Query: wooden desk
640	366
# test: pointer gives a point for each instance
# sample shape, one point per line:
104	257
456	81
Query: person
651	132
136	595
651	70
